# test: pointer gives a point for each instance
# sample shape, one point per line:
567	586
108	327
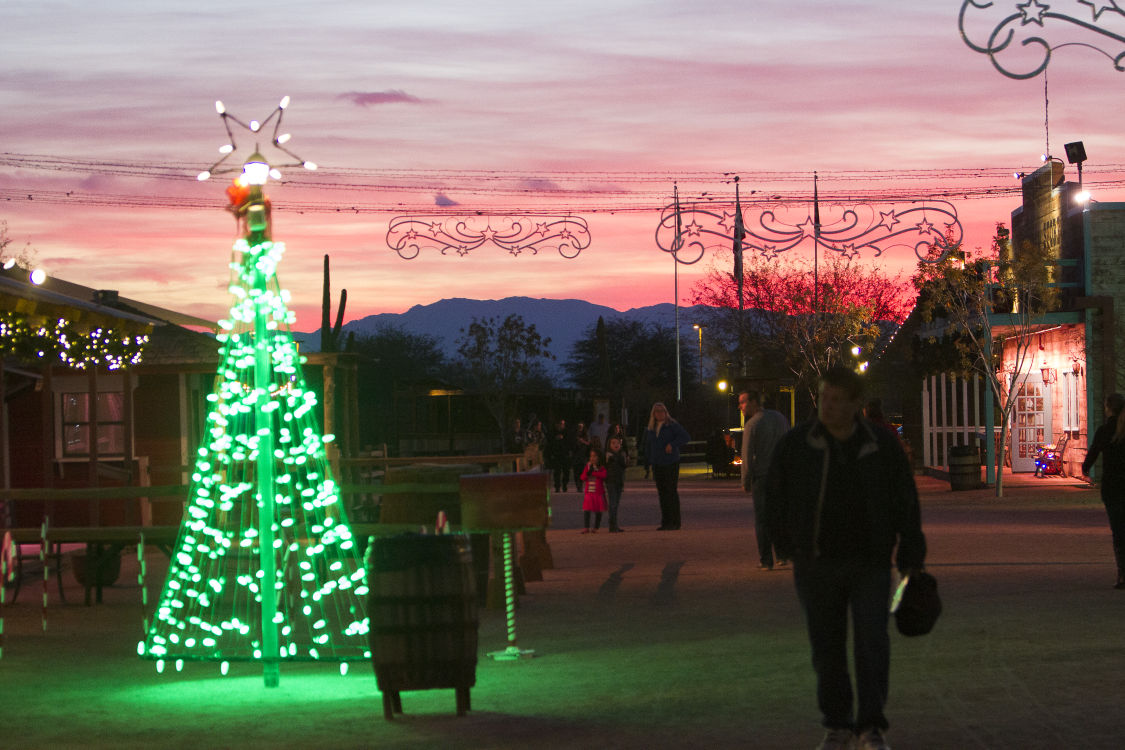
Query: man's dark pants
613	495
827	590
667	478
1115	510
561	473
765	546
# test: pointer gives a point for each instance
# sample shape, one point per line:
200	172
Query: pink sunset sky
107	114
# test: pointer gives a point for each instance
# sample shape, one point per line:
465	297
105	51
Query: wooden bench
99	539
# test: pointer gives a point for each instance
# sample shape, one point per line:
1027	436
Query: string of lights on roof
62	342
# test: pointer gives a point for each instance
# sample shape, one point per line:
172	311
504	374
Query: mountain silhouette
564	321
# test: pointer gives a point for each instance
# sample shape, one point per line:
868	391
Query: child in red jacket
593	496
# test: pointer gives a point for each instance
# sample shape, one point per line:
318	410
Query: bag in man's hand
916	604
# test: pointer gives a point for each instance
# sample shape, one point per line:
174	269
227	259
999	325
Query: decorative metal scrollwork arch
463	233
1033	19
848	230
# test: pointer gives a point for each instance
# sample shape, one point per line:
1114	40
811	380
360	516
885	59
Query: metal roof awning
20	297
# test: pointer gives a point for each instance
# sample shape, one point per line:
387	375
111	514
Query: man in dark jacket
558	458
839	496
1109	442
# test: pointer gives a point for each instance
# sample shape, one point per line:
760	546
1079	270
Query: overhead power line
380	191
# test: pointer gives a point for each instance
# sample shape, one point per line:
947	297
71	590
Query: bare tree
979	298
497	357
25	257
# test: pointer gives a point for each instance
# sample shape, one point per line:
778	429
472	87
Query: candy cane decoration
513	651
5	573
141	583
509	591
43	544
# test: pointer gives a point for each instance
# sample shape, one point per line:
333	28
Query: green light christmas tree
265	568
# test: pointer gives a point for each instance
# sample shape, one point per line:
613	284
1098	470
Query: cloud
369	98
441	199
95	183
540	185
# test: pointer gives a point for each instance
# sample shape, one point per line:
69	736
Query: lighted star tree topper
265	568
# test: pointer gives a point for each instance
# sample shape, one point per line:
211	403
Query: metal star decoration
1032	12
1097	7
461	234
1019	41
851	230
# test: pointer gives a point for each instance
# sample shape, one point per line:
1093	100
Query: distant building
1075	349
136	424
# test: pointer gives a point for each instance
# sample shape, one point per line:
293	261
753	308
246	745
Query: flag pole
739	232
676	289
816	247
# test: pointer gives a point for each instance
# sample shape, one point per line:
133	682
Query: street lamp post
699	328
725	388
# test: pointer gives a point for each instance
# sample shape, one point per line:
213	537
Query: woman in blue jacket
663	440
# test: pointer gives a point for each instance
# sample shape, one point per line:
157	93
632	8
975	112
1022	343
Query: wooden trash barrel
964	467
422	608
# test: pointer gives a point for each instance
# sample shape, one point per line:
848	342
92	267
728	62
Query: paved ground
650	639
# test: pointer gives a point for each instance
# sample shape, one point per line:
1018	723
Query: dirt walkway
645	639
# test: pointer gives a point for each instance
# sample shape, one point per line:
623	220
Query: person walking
533	444
663	440
579	449
873	410
616	461
642	449
1109	443
761	430
599	433
558	456
839	496
593	495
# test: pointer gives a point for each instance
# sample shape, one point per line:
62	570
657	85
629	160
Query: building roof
43	302
111	298
170	340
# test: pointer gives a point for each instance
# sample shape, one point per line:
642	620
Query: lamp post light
1076	154
699	329
724	387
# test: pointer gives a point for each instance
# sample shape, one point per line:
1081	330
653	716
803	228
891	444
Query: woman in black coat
1109	442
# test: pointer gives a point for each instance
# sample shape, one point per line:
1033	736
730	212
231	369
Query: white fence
951	415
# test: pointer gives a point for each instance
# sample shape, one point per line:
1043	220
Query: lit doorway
1031	420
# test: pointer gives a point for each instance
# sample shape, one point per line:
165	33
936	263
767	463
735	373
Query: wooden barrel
964	467
94	569
423	613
